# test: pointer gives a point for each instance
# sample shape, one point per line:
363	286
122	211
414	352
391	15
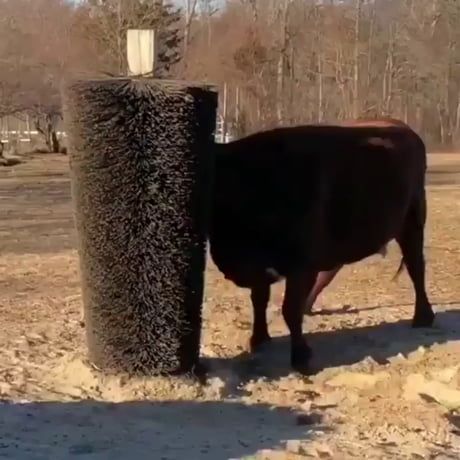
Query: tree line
275	61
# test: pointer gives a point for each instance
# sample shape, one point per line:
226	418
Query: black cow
293	202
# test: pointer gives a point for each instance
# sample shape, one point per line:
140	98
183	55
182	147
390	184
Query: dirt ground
381	390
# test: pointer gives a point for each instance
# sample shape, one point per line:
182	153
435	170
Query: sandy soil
381	390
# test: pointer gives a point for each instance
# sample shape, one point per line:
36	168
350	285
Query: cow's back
381	122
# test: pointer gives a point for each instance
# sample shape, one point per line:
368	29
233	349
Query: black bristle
141	167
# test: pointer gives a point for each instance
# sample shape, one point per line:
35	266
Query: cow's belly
248	260
355	232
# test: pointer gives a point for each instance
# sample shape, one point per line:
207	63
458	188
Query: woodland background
276	62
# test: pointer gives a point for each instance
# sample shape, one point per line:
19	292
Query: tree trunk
320	88
282	62
55	145
190	9
387	91
442	126
356	73
319	64
119	41
457	124
370	44
292	64
48	131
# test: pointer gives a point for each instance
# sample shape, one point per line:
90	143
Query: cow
292	202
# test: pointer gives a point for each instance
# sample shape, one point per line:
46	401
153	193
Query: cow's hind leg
411	244
260	296
322	281
297	289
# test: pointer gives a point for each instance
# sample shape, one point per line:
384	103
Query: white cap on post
141	51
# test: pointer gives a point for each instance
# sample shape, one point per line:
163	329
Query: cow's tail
400	269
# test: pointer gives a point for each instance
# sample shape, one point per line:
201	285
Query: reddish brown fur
383	122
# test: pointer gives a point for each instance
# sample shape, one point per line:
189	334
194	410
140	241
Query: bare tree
281	61
190	12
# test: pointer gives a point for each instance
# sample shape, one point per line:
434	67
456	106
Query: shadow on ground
338	348
171	430
354	310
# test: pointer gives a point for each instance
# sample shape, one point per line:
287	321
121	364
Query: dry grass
42	358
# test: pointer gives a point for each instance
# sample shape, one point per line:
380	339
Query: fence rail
19	129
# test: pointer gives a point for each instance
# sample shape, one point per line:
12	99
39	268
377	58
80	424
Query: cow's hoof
308	310
425	320
200	368
200	372
300	358
256	342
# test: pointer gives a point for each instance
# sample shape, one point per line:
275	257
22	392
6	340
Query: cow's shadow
337	348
